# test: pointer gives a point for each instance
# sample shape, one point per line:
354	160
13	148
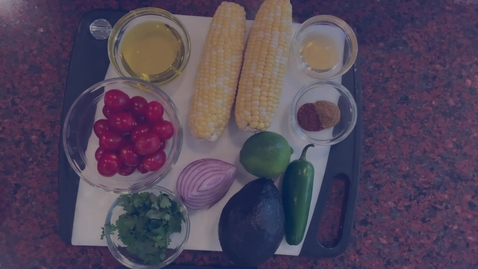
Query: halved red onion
204	182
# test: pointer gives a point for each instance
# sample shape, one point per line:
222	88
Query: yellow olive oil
320	52
152	51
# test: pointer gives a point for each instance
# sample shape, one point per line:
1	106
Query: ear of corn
219	69
265	63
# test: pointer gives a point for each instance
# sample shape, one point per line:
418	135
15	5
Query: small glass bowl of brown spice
323	113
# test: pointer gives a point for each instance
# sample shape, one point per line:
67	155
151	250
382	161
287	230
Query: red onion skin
190	185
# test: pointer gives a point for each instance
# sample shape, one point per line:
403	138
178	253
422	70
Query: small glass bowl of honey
149	44
325	47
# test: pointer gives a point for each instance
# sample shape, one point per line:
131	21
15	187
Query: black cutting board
88	65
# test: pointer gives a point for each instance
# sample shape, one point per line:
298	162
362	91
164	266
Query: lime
265	154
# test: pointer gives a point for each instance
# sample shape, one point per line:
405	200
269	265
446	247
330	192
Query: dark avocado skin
252	223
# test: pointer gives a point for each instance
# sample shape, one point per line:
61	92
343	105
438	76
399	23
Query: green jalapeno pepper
297	189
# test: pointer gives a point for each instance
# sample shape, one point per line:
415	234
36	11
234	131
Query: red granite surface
418	201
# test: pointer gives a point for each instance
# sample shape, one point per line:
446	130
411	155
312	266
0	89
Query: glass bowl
332	92
176	246
331	36
80	142
139	16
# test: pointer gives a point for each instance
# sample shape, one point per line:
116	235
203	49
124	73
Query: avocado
251	226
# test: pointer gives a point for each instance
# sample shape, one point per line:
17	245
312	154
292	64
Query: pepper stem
304	152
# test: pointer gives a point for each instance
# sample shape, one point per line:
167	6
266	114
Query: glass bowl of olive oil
325	47
150	44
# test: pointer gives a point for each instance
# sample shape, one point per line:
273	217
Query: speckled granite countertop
418	200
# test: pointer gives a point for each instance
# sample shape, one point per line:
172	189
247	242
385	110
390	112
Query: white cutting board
92	204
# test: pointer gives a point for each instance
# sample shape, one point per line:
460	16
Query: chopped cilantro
146	225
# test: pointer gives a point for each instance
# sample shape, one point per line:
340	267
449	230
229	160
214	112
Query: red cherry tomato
122	122
100	127
125	170
128	156
163	129
138	130
138	106
154	161
154	111
141	169
163	145
108	165
99	152
147	143
116	100
111	141
107	112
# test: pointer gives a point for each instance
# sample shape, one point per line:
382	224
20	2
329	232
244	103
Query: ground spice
318	116
308	118
329	113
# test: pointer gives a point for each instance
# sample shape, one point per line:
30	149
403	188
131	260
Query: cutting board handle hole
330	227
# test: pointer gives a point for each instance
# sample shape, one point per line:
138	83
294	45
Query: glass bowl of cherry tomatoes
122	135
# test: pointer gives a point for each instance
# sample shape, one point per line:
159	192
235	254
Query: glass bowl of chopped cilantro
147	229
